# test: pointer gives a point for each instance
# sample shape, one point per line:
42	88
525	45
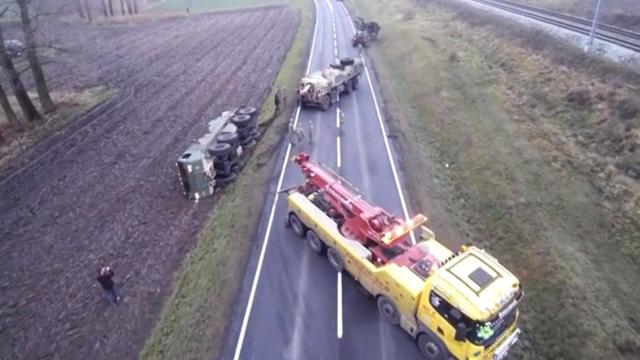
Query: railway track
612	34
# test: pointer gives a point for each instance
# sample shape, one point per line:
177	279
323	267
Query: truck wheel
335	260
348	86
297	225
316	245
219	149
388	310
242	121
431	348
247	110
230	138
334	96
326	102
354	83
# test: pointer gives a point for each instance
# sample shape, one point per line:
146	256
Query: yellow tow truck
455	305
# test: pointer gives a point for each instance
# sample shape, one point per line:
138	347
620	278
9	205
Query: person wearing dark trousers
276	102
105	275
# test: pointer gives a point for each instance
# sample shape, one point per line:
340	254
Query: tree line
83	7
28	109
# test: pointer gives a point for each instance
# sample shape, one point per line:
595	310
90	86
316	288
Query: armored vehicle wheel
316	245
326	102
346	61
230	138
219	149
247	110
242	121
388	310
347	86
431	348
297	225
335	260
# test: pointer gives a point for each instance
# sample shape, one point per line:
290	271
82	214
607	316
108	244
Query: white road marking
265	241
396	178
339	158
339	329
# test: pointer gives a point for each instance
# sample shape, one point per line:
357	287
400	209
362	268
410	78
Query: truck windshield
486	333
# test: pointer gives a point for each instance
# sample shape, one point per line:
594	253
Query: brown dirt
106	186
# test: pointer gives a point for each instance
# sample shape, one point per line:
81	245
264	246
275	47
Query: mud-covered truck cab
462	305
322	88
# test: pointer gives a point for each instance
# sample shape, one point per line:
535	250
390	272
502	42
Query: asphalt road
292	304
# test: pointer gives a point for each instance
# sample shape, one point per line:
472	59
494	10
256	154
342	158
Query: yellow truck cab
461	305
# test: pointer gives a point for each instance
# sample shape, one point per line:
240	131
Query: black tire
247	110
335	259
316	245
346	61
388	310
219	149
230	138
298	227
334	96
347	86
354	83
242	121
431	347
326	102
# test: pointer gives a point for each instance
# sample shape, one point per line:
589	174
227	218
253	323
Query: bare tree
129	7
32	57
135	6
104	8
111	7
122	7
26	105
86	5
8	110
79	8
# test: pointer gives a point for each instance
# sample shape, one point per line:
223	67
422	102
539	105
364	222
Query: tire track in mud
113	191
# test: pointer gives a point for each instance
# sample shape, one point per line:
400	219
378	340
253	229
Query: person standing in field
105	275
276	102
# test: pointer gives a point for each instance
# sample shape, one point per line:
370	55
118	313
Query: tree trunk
86	5
129	9
8	110
79	8
30	112
104	8
111	7
122	7
135	6
32	56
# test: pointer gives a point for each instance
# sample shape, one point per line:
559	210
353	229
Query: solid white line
339	157
265	241
396	178
339	330
338	117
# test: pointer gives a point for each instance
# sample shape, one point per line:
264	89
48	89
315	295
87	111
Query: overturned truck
323	88
213	160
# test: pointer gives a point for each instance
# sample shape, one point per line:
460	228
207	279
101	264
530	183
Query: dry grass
506	119
69	106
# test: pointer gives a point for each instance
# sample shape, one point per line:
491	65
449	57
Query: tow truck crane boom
357	219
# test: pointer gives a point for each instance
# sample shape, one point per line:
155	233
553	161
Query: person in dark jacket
105	275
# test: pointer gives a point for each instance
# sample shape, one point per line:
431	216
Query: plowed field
107	186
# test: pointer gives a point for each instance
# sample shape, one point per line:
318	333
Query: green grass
211	5
194	318
482	109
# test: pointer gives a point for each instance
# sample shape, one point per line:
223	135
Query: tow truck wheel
431	348
388	310
316	245
335	260
297	225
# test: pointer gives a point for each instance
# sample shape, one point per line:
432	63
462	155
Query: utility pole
594	23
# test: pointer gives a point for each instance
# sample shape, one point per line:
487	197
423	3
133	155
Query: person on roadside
276	102
105	278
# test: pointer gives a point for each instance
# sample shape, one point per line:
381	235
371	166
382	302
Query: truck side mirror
461	332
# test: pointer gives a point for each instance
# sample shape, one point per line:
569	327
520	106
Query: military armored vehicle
212	161
322	88
366	31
